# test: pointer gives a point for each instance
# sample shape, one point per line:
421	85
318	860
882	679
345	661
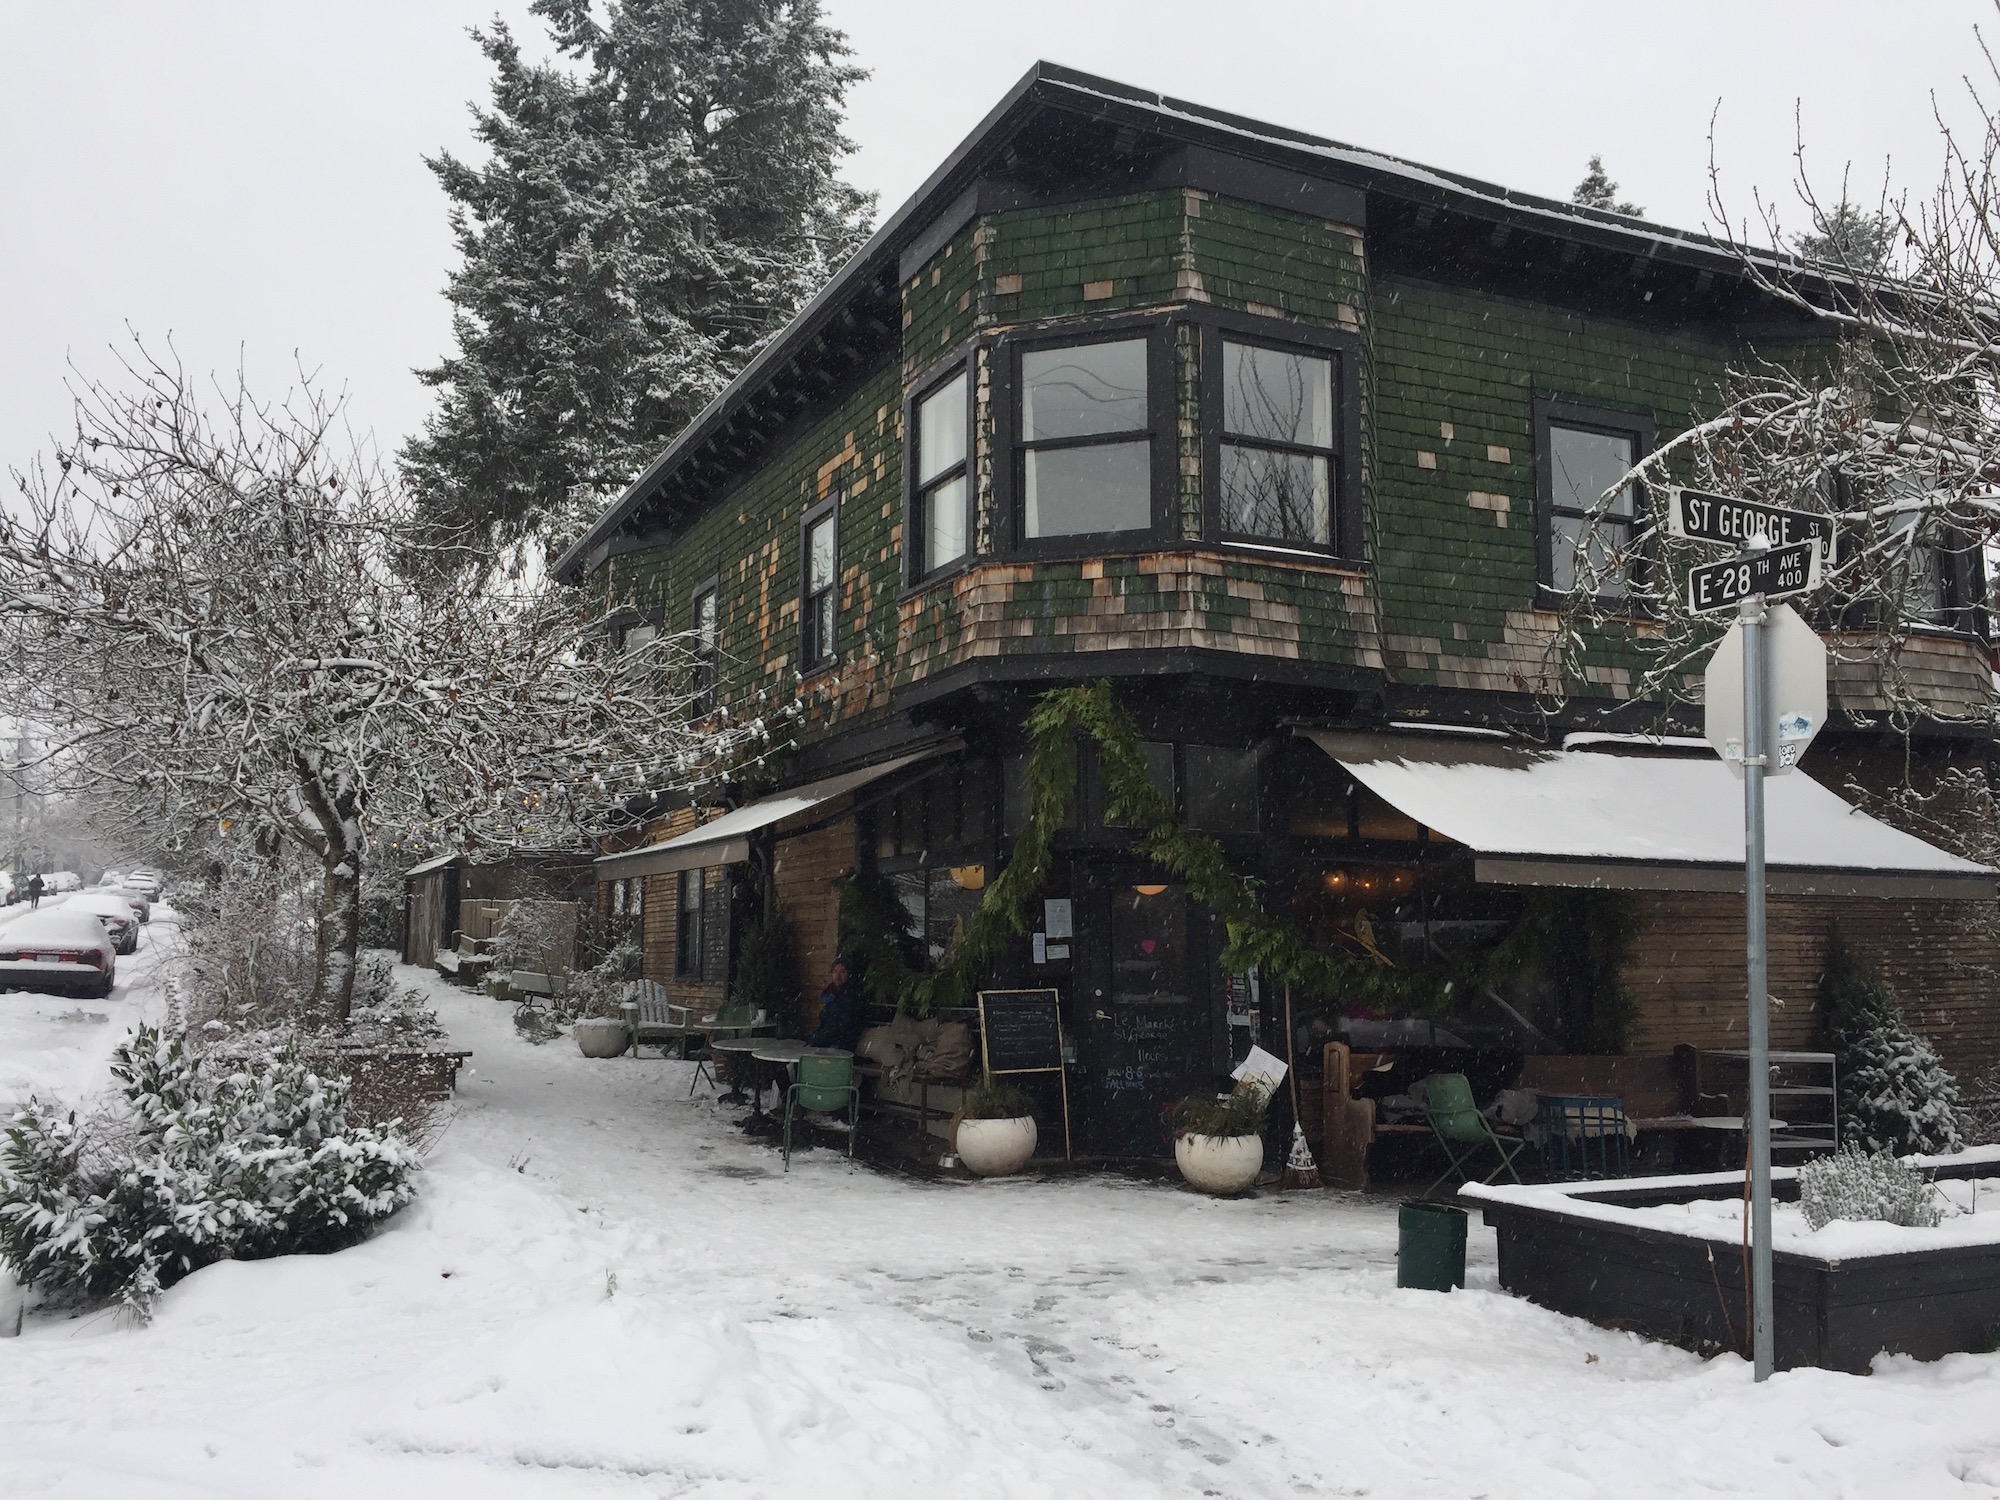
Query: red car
57	953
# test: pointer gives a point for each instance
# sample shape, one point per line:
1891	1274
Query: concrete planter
1224	1165
996	1148
602	1037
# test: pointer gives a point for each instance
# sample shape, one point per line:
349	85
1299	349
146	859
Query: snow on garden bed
1971	1209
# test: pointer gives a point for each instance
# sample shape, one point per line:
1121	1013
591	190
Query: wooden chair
656	1021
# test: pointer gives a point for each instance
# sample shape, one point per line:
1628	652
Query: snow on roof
437	862
1652	810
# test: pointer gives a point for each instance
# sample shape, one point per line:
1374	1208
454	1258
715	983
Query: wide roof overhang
726	840
1600	819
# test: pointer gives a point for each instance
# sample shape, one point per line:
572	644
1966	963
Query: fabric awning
726	840
1617	821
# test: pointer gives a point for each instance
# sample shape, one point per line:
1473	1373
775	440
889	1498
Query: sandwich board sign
1794	692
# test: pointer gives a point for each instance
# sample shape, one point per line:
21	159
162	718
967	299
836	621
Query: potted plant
996	1133
1219	1139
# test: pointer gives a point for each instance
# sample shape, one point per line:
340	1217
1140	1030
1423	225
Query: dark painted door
1145	999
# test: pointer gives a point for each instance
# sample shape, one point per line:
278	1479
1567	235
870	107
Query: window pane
819	548
948	906
638	635
704	620
1280	397
1222	789
1079	490
944	523
1149	946
941	430
1083	390
1921	569
1567	535
1285	496
822	645
1583	465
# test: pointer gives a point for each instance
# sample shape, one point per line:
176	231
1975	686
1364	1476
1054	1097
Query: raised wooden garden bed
1583	1249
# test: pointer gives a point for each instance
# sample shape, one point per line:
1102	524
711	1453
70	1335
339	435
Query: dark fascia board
947	196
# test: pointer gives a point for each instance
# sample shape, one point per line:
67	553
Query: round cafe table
739	1050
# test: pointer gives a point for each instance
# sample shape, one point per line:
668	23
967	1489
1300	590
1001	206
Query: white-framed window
942	509
819	576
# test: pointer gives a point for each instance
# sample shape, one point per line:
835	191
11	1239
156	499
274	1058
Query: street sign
1703	517
1775	574
1794	692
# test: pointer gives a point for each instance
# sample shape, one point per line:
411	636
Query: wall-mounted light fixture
969	877
1150	890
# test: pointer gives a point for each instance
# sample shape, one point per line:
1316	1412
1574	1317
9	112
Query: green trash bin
1430	1246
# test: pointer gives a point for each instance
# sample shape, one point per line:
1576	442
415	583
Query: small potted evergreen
996	1133
1219	1140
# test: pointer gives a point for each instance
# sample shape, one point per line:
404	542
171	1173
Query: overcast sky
248	175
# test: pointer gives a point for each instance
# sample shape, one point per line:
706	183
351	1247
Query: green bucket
1430	1246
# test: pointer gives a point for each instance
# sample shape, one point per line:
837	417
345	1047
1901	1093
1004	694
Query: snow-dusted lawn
836	1332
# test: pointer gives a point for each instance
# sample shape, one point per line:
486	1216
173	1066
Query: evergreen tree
1597	190
657	202
1854	238
1895	1095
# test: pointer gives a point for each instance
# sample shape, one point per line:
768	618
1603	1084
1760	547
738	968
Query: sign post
1749	581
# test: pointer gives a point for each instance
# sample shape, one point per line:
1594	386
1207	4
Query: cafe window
1222	789
1279	456
819	568
688	924
941	508
1084	439
1582	455
705	670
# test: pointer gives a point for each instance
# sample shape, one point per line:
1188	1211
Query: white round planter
1221	1164
996	1148
602	1037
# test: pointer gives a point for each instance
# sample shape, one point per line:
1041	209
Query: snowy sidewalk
606	1290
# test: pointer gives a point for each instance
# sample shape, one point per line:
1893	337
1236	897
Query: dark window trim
630	620
1548	411
962	361
1349	543
829	656
1161	430
705	692
688	924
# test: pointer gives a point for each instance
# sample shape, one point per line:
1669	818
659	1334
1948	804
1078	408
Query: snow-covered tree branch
229	617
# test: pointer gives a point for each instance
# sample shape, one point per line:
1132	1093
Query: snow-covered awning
726	840
1641	821
437	862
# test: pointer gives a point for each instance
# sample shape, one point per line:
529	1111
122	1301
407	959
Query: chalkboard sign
1020	1031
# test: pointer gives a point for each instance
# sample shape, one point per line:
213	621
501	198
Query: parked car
58	882
146	880
58	952
10	888
112	877
141	902
115	912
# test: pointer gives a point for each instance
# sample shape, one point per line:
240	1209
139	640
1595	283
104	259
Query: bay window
941	512
1085	440
1279	451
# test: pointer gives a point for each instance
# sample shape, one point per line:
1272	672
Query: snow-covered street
606	1290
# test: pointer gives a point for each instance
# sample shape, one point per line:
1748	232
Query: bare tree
235	621
1882	411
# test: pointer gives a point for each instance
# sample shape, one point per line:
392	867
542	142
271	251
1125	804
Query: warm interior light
1150	890
1337	879
969	877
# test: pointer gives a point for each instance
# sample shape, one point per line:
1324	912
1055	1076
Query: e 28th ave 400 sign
1777	574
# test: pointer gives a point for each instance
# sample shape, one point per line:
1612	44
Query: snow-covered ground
607	1290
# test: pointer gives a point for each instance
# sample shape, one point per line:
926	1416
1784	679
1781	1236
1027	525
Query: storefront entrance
1147	1008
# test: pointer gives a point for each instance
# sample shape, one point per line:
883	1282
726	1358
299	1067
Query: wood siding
807	865
1941	958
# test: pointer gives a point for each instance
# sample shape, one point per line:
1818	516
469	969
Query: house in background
1291	443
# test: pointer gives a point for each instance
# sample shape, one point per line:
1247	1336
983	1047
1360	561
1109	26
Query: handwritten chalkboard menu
1021	1031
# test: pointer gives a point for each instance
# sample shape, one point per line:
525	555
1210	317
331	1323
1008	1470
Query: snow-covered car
111	877
10	888
56	882
145	880
115	912
141	902
58	952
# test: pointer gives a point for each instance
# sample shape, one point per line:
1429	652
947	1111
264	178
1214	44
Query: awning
726	840
1669	822
437	862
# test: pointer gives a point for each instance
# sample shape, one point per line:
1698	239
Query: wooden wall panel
807	865
1941	958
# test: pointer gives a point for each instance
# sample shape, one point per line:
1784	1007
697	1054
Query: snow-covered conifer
656	202
1895	1095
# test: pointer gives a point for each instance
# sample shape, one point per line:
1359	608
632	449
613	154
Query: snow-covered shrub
194	1162
1853	1184
597	991
1895	1095
539	936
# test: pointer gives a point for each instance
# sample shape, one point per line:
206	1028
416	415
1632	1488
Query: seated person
843	1013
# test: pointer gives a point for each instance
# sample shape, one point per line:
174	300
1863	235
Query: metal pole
1756	748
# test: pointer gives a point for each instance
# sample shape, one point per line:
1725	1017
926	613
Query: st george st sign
1704	517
